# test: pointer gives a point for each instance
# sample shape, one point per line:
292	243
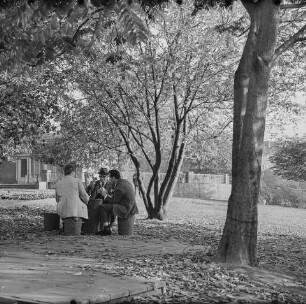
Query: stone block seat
126	225
51	221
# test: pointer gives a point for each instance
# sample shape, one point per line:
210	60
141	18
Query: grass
271	219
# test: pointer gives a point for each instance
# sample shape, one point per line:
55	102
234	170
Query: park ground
191	277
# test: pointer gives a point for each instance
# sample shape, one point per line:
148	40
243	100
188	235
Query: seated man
71	197
94	188
121	203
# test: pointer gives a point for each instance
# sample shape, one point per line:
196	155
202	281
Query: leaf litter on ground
190	276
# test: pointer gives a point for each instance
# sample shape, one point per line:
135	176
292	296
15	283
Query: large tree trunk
239	240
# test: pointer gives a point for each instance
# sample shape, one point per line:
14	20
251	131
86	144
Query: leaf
54	23
42	38
133	25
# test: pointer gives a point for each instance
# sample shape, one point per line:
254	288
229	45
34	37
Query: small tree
154	97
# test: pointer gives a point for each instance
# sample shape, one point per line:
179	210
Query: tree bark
239	239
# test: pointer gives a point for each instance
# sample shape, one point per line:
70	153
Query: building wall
8	173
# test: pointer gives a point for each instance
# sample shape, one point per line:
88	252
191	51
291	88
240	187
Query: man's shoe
105	231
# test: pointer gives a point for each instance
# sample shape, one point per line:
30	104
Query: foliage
84	136
160	91
26	110
56	151
287	83
209	150
289	158
277	191
34	32
288	74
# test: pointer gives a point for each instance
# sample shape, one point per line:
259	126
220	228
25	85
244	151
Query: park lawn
196	277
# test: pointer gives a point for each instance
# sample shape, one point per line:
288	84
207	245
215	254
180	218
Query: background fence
191	185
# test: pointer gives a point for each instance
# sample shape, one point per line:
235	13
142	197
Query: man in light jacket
71	196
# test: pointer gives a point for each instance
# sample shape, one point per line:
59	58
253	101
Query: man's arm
57	197
115	198
82	192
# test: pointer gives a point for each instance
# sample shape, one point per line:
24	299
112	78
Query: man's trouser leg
105	215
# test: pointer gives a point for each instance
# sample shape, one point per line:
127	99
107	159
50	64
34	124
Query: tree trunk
154	180
175	175
167	187
239	239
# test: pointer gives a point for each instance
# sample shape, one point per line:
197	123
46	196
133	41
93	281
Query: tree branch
84	22
298	36
293	5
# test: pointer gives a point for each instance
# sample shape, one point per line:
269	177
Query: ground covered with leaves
25	194
191	277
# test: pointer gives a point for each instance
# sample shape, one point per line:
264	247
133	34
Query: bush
277	191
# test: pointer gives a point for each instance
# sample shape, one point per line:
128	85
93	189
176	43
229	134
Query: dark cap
103	171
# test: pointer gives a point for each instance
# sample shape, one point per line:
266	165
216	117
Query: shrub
277	191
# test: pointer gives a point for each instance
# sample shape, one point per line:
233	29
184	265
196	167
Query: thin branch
298	36
84	22
293	5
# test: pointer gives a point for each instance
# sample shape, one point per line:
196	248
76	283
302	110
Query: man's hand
103	192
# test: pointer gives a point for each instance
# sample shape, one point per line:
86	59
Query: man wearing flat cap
94	189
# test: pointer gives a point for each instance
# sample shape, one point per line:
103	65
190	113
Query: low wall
202	186
203	191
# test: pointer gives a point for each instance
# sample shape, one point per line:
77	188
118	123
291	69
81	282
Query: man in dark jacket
120	203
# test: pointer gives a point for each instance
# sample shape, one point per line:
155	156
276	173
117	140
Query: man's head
114	175
103	173
68	169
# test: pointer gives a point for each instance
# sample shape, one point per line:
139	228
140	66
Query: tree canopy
150	101
26	110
